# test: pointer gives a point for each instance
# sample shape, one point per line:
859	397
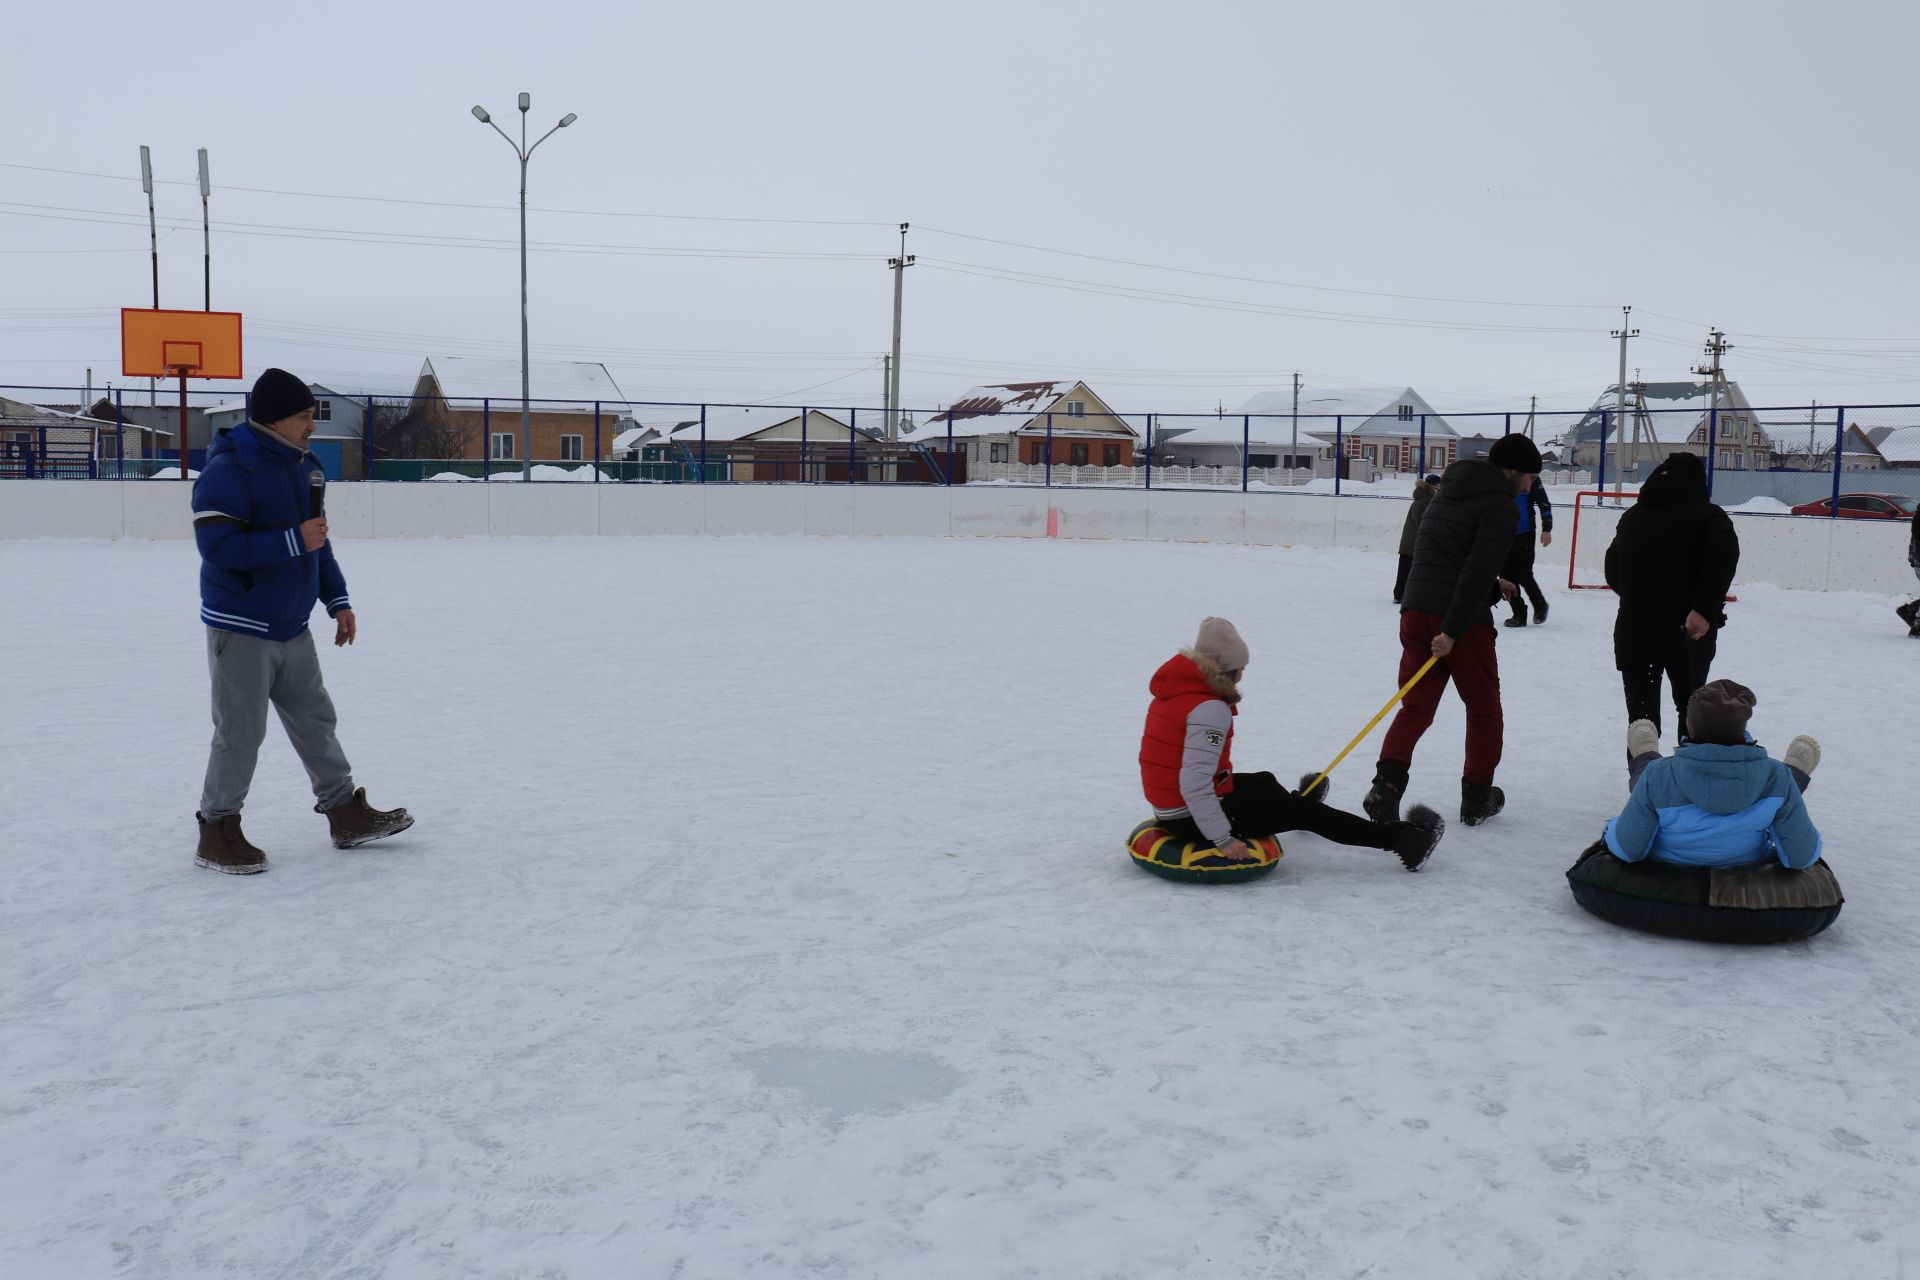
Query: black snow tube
1762	903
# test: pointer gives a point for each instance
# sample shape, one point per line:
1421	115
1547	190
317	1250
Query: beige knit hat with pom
1220	641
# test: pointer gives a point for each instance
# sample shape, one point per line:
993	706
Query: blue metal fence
1796	456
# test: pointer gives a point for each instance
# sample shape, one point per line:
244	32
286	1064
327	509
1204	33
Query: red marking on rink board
1053	522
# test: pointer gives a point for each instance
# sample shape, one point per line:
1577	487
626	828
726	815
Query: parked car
1862	506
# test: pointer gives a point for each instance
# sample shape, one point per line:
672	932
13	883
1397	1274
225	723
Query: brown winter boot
224	847
356	822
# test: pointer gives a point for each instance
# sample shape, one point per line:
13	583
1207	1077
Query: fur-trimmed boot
1383	798
1480	801
224	847
1416	838
356	822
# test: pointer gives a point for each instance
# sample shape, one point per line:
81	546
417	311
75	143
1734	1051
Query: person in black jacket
1910	612
1447	613
1672	559
1423	491
1536	512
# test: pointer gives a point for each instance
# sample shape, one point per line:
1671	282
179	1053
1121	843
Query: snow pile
812	949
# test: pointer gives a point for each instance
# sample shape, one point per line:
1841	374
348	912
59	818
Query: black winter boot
1519	619
1480	801
1909	613
224	847
1415	839
356	822
1383	800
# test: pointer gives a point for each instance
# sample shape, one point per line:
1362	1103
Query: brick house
1673	417
576	407
1020	422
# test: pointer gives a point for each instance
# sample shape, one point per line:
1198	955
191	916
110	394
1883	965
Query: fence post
120	429
1246	443
1839	446
1339	450
1149	445
1600	480
1047	480
596	442
853	451
486	438
950	447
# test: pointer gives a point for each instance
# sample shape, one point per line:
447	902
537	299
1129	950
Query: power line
1283	284
455	204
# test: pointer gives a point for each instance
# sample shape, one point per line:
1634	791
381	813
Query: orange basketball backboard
164	344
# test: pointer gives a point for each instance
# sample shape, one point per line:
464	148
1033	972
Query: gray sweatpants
248	673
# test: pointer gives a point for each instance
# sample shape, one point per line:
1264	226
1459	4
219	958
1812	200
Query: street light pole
524	153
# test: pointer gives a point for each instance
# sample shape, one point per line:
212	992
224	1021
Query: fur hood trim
1217	680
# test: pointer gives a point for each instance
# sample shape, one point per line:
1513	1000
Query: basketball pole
181	369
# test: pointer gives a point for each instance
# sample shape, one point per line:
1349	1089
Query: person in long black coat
1672	559
1910	612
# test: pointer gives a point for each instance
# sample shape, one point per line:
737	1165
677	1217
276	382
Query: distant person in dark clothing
1535	511
1447	613
1423	490
1672	559
1910	612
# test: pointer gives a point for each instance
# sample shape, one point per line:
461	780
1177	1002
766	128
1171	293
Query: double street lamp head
480	113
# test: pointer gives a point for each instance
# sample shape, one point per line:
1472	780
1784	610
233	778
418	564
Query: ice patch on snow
847	1082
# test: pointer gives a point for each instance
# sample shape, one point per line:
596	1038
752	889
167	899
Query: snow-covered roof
1902	444
1365	411
19	412
469	378
738	423
1008	397
1009	408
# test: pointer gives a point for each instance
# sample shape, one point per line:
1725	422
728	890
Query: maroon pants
1475	671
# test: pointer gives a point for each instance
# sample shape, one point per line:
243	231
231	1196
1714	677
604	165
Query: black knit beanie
1718	713
1517	453
277	395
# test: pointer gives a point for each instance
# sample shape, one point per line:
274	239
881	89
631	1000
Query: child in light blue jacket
1720	800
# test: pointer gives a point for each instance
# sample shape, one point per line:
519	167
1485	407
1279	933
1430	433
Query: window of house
1390	456
1109	455
1726	457
1077	455
999	453
323	411
1727	426
1268	460
1406	413
502	445
572	448
1076	408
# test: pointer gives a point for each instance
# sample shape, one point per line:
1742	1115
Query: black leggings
1686	668
1259	805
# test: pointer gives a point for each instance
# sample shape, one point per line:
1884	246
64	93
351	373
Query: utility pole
153	239
1533	405
899	267
1717	346
886	380
1293	449
1620	391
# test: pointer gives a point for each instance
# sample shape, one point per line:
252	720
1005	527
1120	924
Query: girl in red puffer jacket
1186	766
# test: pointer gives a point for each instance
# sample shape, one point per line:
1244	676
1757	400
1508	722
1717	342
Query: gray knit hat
1718	713
1219	641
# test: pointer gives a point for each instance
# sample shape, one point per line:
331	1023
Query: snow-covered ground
767	916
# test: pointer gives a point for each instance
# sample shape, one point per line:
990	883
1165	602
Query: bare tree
408	428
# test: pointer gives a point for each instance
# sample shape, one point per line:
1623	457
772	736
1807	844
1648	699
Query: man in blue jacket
1719	801
259	522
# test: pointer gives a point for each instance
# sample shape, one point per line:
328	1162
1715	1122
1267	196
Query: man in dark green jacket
1447	613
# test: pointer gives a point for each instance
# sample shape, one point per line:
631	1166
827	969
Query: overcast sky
1453	197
